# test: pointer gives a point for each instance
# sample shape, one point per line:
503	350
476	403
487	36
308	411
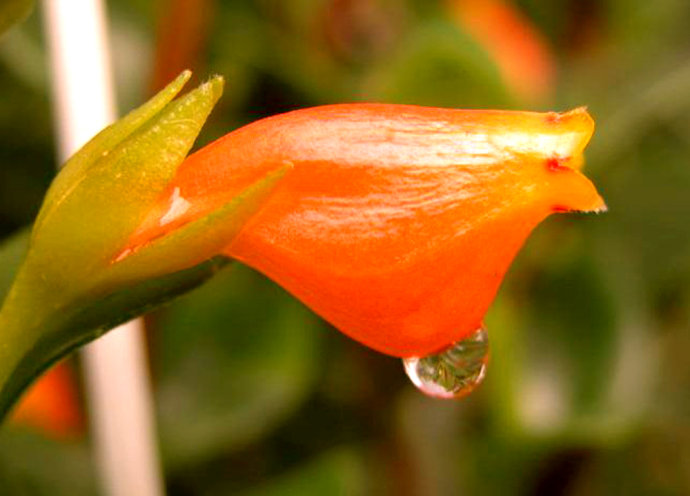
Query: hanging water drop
453	373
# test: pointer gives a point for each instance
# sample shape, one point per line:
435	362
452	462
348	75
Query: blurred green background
587	389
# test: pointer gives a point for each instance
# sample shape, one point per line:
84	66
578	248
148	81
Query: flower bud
396	223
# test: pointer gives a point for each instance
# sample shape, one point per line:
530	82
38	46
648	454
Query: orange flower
396	223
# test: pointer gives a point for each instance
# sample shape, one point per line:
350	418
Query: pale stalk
117	379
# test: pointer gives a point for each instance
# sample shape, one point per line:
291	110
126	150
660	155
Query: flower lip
559	136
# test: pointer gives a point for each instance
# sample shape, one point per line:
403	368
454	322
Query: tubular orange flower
396	223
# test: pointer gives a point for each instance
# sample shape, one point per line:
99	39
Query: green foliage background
587	390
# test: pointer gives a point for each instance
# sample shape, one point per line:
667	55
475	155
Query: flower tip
576	193
560	136
580	116
574	127
580	123
601	209
213	88
176	85
577	114
597	205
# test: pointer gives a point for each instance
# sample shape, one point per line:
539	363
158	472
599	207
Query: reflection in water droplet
453	373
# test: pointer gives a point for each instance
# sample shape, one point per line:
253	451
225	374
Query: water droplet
453	373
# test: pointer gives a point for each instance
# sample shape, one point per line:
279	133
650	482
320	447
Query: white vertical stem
116	374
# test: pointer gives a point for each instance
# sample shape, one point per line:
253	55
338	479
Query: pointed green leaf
68	291
229	371
75	168
86	226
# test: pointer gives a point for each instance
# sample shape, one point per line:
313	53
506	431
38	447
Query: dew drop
453	373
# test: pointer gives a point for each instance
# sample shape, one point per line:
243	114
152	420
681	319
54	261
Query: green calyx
68	291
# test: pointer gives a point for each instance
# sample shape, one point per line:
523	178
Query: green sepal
86	218
198	240
71	287
76	167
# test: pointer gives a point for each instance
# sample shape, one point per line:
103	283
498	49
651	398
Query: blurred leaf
654	464
338	472
34	466
21	54
12	12
12	251
439	65
251	47
574	313
238	357
643	104
647	196
566	374
663	22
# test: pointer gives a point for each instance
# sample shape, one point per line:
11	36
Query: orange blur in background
51	405
521	52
